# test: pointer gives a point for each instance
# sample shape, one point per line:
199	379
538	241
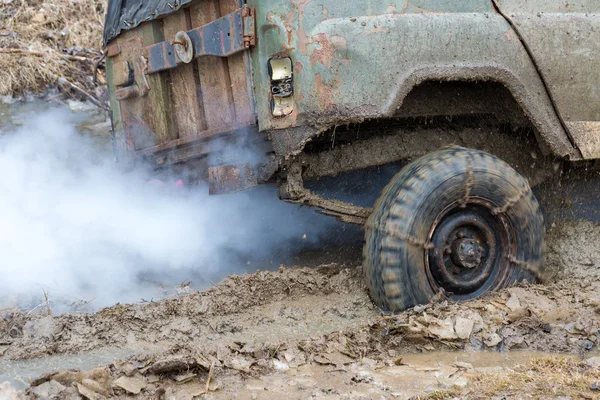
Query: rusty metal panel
165	109
355	60
224	179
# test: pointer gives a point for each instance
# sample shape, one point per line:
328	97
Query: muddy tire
458	222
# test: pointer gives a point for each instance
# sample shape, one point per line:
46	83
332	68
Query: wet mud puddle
20	372
407	376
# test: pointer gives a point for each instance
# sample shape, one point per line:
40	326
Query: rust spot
298	67
301	33
511	36
325	48
327	91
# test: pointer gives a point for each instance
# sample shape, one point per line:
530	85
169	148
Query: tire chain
530	267
403	236
469	183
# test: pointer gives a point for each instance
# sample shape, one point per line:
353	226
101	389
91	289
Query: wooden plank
137	115
187	115
214	76
159	88
238	74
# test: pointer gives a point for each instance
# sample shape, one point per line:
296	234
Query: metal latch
282	86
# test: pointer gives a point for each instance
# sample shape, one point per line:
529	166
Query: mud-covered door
184	77
564	40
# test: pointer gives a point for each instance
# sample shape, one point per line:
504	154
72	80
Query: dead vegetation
43	40
547	377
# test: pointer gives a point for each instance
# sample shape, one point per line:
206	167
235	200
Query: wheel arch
530	97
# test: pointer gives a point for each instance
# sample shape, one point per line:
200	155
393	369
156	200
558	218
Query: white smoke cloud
73	225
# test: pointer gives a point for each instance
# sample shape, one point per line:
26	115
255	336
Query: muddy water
19	373
409	375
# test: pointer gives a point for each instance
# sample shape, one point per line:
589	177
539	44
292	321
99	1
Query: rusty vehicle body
312	89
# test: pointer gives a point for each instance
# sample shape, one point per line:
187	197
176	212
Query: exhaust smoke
76	228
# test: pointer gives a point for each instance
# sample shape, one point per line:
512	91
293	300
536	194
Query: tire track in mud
266	321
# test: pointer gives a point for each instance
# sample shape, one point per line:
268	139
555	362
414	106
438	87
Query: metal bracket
228	35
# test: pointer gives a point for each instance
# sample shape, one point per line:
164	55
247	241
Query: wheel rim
470	245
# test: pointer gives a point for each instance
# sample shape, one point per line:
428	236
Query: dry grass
44	32
543	378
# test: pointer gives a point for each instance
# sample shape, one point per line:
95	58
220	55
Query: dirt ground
313	333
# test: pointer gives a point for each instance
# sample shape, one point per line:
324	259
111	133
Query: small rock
392	353
3	350
419	309
7	392
129	369
513	303
280	365
95	386
43	328
443	329
48	389
595	387
239	364
132	385
493	340
87	393
463	327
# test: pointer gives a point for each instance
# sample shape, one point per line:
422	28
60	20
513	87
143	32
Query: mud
307	332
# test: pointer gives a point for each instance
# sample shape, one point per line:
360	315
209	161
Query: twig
96	64
64	82
210	374
47	302
42	54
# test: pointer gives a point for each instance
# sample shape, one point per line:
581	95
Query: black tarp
122	15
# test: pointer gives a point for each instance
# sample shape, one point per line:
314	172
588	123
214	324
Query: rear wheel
457	221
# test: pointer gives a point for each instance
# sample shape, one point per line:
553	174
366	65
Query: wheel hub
468	247
467	253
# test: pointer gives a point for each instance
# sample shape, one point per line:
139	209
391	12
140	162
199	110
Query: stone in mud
443	329
280	365
42	328
493	340
133	385
48	389
7	392
463	327
238	364
87	393
513	303
95	386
